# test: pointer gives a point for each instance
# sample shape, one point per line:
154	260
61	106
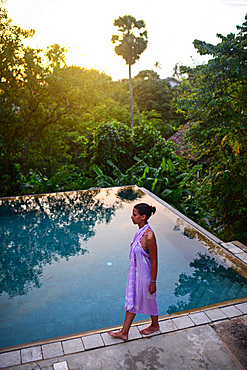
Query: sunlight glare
86	28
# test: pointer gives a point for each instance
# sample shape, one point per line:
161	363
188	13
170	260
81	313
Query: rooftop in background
172	81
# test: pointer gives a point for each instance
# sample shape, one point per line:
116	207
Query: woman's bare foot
118	334
150	329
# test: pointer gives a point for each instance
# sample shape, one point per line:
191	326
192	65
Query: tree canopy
130	46
215	102
154	95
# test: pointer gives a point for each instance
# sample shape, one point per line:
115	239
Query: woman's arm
152	248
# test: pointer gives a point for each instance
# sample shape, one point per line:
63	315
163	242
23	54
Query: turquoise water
64	263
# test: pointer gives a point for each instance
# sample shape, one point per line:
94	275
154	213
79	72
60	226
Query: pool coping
75	343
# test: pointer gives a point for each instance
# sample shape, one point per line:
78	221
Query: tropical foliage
68	128
216	102
154	95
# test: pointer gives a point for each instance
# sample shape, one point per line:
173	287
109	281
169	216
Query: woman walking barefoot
141	282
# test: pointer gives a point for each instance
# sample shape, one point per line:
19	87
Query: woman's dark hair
145	209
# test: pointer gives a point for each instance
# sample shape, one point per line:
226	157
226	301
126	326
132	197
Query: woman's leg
153	327
123	333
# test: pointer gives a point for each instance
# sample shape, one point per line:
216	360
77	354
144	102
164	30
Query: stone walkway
83	352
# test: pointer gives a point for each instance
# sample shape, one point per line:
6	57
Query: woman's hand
152	288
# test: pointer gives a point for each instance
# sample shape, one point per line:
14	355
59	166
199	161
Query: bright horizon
86	29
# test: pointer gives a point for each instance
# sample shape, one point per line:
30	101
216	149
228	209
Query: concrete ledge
73	346
239	251
240	245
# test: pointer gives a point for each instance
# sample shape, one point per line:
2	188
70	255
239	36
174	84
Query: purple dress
138	299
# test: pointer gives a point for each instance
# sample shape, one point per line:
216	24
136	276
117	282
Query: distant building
172	81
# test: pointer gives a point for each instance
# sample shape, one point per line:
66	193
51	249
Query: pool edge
116	327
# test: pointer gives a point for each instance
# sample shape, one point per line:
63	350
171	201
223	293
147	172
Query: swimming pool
64	262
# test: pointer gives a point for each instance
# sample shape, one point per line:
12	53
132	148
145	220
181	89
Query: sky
86	28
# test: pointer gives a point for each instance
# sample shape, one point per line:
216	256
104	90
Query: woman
141	283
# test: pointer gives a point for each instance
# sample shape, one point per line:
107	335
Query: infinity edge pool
219	247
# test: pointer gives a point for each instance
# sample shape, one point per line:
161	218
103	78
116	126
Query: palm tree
130	46
157	65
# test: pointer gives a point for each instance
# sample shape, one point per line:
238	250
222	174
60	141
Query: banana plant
101	179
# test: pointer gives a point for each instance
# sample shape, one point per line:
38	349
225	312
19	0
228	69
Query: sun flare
85	29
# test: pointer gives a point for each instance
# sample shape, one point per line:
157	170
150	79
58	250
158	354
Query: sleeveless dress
138	299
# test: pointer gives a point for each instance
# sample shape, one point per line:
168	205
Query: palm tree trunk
131	99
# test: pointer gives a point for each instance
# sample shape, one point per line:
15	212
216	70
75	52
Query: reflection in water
45	229
192	233
186	232
128	195
204	285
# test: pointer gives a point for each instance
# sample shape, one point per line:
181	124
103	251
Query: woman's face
136	217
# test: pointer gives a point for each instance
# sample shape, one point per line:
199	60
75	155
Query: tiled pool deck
59	349
24	356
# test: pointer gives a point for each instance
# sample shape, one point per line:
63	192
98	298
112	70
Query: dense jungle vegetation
67	128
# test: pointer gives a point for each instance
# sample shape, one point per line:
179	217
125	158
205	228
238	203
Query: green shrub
112	141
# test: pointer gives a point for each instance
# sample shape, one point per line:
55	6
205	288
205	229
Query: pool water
64	263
